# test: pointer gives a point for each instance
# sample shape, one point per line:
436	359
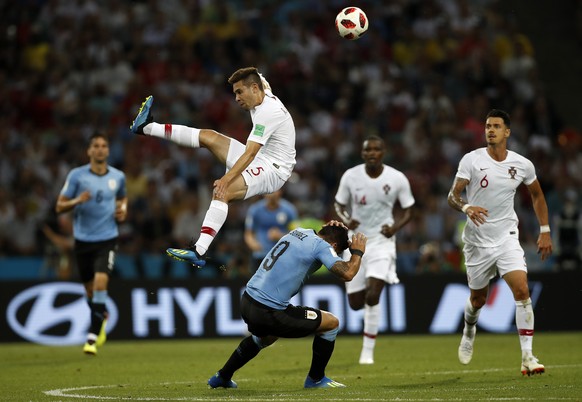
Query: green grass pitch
408	368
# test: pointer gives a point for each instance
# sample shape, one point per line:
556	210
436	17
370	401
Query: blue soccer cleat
325	382
144	116
216	381
187	255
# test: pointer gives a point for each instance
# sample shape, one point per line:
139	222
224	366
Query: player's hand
336	223
274	234
544	245
388	231
120	213
220	187
358	242
477	214
84	197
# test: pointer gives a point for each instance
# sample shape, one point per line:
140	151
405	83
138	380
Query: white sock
524	320
183	135
371	323
213	221
471	317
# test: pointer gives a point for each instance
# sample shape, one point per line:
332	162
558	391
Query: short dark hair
335	234
500	113
248	75
98	134
374	137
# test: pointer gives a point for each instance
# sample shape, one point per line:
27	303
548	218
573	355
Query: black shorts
94	257
293	322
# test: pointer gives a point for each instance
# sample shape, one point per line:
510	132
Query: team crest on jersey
512	172
112	184
386	188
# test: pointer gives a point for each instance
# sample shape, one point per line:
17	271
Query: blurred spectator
569	230
267	220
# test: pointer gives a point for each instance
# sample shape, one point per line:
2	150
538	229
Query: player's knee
372	298
478	301
521	293
329	322
356	305
356	300
333	321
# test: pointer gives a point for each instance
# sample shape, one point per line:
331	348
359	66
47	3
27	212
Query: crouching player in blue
265	303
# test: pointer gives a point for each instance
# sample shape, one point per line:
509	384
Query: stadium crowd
422	78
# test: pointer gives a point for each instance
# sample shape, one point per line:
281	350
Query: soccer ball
351	23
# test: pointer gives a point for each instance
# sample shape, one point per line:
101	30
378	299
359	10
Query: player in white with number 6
260	167
491	176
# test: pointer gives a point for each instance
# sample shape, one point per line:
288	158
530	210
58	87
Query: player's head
373	150
497	127
98	150
337	236
247	87
501	114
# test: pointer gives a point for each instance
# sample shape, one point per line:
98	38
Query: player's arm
406	217
251	240
346	270
65	204
476	213
121	209
344	215
220	185
541	211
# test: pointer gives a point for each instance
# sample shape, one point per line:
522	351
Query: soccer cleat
367	356
466	347
90	349
531	366
216	381
187	255
143	117
325	382
102	337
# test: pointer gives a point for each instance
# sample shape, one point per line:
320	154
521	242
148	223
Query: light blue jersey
261	219
288	265
94	220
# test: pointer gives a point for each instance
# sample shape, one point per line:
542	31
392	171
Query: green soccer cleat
102	337
90	349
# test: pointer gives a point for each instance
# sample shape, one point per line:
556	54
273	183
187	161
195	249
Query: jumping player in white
491	176
371	190
260	167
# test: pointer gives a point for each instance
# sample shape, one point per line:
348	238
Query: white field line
77	392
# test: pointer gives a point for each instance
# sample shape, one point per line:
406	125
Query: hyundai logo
54	313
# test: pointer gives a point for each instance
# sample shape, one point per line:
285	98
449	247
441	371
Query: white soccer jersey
492	185
372	200
273	128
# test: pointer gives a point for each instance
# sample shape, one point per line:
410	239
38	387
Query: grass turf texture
408	368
